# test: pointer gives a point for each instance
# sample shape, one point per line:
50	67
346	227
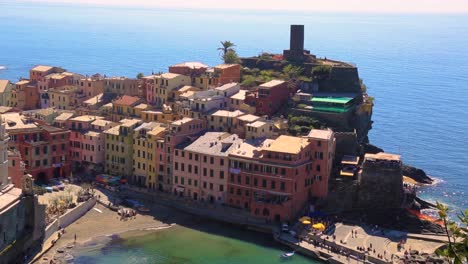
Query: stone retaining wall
69	217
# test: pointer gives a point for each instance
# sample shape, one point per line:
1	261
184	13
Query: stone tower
296	42
3	154
296	51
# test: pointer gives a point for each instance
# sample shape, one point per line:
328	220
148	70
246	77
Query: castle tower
296	51
296	42
3	155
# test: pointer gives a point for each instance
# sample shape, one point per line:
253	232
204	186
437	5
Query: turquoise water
416	66
183	246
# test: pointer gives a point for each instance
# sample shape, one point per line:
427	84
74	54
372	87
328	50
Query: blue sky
356	6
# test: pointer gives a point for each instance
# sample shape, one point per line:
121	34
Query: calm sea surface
182	245
416	66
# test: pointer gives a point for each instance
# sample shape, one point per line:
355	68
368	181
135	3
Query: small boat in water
287	254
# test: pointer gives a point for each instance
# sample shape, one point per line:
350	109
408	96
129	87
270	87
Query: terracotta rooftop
257	124
227	86
142	106
225	113
21	82
249	118
251	148
224	66
192	65
17	121
239	95
186	88
64	116
169	75
215	143
382	156
127	100
272	83
86	118
288	144
3	85
42	68
182	121
157	131
324	134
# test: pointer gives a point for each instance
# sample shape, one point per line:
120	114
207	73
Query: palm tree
226	47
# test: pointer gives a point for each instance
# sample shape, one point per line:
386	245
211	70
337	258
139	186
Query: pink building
16	168
323	148
87	140
201	169
179	131
278	179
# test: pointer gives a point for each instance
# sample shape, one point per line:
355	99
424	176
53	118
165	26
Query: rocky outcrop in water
416	174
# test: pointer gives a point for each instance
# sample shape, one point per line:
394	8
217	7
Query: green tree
321	71
456	249
292	72
140	75
249	81
226	46
231	57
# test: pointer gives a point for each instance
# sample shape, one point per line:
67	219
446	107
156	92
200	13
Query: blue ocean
416	66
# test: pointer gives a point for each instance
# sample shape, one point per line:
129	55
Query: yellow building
65	97
260	129
222	120
144	171
125	107
119	148
5	92
158	116
163	87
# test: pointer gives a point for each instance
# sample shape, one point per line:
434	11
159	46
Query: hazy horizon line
137	4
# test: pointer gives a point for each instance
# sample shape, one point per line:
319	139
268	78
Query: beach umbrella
319	226
306	222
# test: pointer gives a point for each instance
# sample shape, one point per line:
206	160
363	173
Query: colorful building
269	97
272	179
191	69
122	86
223	120
119	148
201	169
16	168
160	88
323	147
44	149
124	107
86	143
259	129
65	97
217	76
143	155
5	92
179	131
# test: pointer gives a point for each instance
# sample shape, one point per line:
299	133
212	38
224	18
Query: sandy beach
95	225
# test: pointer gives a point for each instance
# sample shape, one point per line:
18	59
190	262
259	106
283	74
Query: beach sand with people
101	222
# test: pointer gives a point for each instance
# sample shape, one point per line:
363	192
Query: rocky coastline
414	173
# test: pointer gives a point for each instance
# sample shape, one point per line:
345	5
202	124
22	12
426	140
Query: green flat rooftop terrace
332	100
331	109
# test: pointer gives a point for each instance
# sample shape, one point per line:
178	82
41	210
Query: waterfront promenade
338	246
